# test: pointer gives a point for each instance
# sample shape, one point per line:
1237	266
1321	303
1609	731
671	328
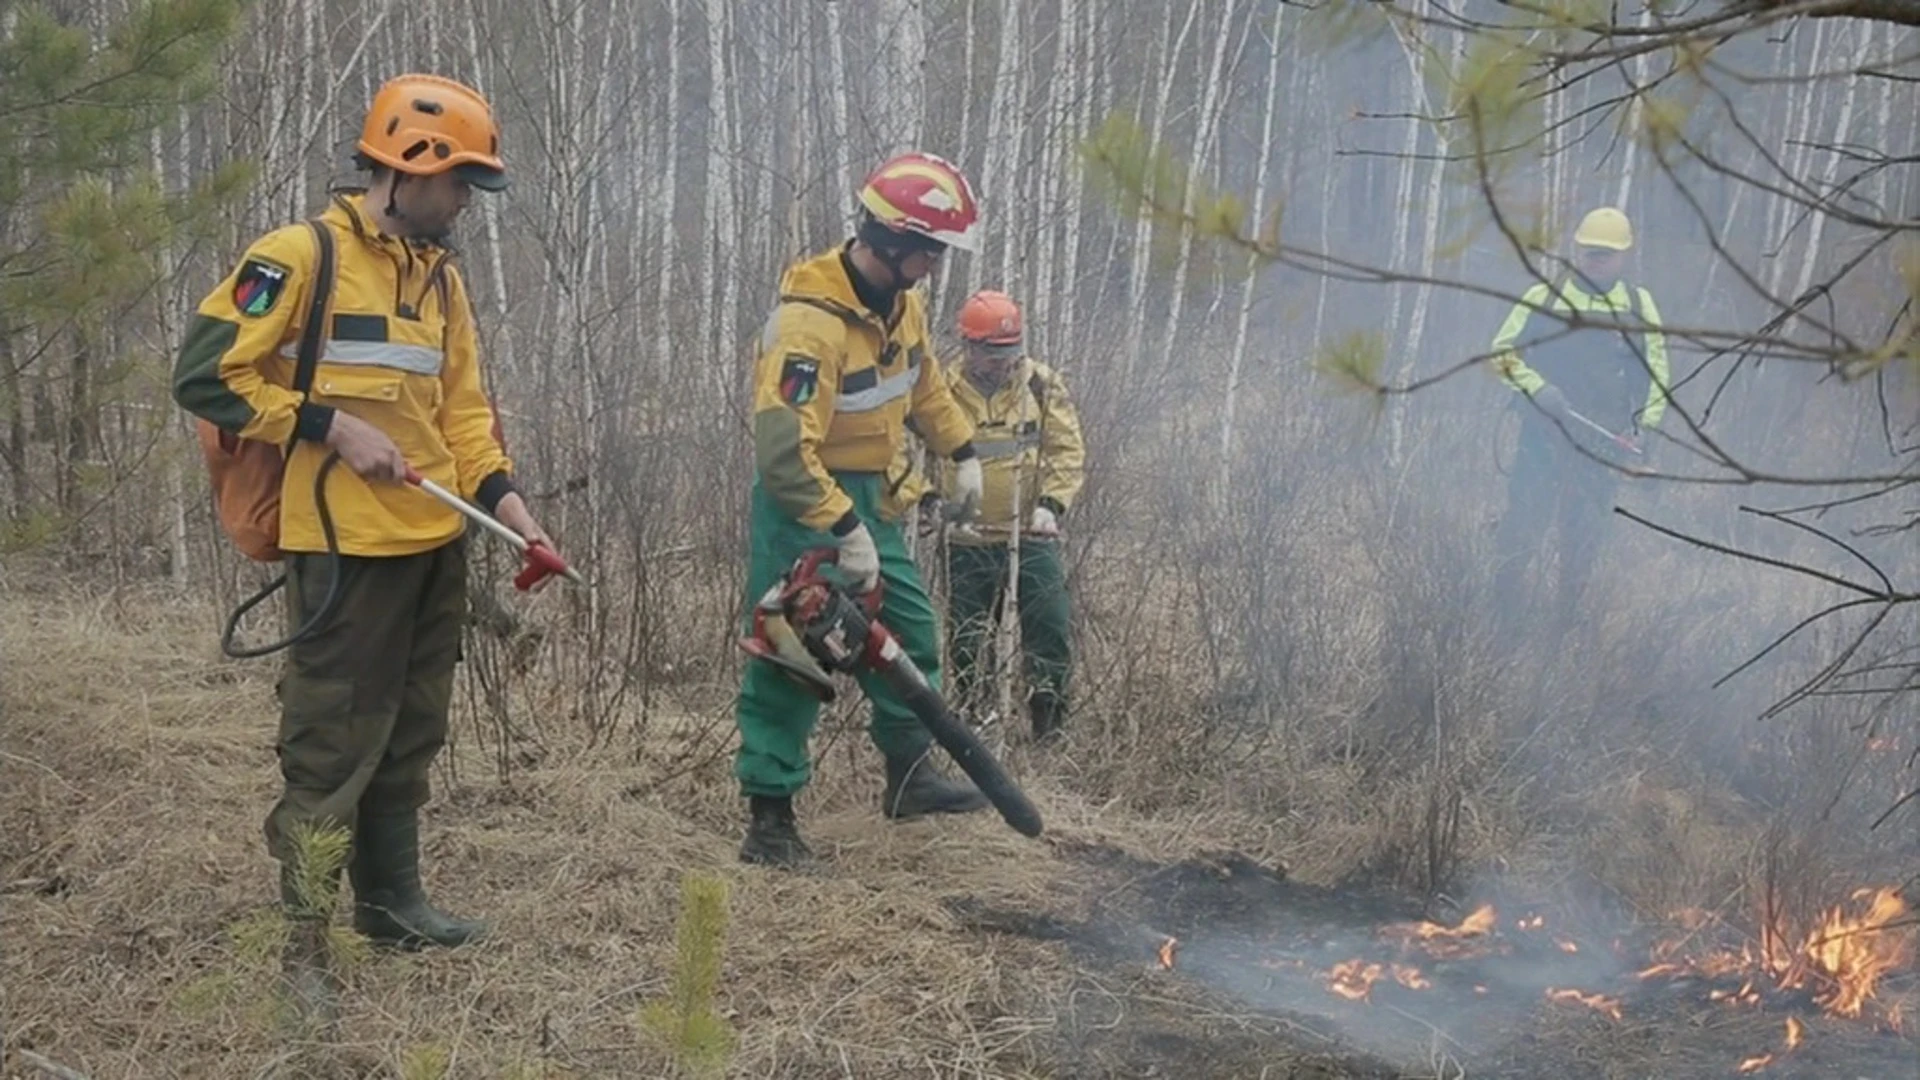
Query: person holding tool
351	340
843	363
1034	459
1589	364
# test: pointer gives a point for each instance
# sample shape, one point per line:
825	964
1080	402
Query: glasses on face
1597	254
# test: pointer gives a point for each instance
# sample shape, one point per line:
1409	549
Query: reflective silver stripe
999	448
418	359
893	386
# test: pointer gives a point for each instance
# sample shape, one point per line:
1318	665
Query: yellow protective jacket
400	353
1027	429
833	389
1619	368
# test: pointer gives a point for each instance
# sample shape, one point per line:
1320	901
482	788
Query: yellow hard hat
1605	227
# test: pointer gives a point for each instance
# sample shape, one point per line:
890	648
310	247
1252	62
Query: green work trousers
775	714
977	577
364	701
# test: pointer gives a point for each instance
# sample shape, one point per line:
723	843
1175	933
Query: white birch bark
1143	229
1212	101
995	183
1236	365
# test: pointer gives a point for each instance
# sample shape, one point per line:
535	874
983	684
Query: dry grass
138	770
1297	681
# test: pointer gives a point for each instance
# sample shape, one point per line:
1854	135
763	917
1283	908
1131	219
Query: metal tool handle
542	561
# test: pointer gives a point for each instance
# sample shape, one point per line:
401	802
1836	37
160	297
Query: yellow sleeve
938	417
235	335
466	413
1063	450
1657	365
1507	362
796	382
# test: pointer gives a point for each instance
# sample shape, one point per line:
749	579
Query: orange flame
1755	1064
1844	956
1445	941
1853	953
1410	977
1795	1033
1166	952
1605	1004
1354	979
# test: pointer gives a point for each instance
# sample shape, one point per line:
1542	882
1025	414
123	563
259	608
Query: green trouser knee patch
775	716
382	661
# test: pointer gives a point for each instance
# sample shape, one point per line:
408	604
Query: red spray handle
542	561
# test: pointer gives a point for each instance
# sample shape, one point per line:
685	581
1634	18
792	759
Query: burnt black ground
1252	953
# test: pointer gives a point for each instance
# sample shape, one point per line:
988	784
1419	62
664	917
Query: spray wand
542	561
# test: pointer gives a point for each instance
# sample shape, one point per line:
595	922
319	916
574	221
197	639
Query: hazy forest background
1281	576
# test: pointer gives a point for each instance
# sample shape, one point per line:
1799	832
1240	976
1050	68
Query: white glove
1044	523
859	559
971	488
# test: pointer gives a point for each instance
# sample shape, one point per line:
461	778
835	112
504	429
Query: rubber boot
915	787
390	906
1048	714
772	838
310	984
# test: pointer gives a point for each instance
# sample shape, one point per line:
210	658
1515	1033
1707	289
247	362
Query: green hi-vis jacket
834	386
1614	370
399	352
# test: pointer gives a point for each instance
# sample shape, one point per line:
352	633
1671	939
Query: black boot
772	838
311	985
1049	716
389	904
915	787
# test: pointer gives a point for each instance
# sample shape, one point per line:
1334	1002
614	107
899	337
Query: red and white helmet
924	194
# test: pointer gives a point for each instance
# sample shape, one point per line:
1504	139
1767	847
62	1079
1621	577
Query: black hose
326	609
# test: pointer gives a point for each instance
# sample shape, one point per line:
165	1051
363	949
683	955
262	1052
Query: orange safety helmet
427	124
923	194
990	318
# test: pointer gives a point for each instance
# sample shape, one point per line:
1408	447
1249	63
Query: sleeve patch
799	379
258	285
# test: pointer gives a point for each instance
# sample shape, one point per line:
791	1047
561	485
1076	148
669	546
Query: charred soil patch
1362	978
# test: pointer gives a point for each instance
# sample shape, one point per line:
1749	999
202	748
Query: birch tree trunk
1143	229
844	181
1213	98
1001	127
900	99
1842	132
1434	199
1629	161
1236	365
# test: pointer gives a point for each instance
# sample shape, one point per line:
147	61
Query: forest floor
135	898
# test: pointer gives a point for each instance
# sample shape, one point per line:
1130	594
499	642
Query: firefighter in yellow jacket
1027	433
1588	362
364	699
843	364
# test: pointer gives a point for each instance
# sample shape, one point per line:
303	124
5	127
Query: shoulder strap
313	334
